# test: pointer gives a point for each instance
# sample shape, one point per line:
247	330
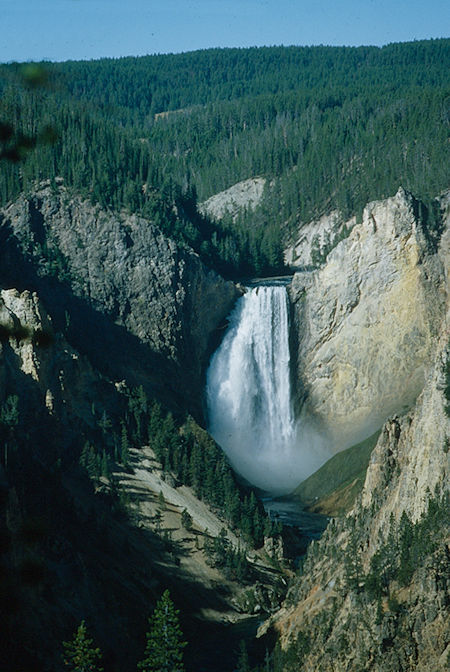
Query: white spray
249	399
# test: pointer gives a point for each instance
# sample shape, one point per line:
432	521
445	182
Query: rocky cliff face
367	321
246	194
373	592
55	385
316	239
154	305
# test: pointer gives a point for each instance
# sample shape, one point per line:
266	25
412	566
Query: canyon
96	303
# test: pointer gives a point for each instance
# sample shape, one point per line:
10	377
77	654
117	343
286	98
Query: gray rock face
50	377
314	238
367	321
406	626
121	267
245	194
411	459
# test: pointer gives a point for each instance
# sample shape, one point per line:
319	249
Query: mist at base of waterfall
273	467
248	397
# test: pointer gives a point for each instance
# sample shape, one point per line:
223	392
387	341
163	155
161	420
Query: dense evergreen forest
330	127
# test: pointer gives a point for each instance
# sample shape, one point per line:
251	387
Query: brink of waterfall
249	401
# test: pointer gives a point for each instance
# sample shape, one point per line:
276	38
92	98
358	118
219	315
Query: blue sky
85	29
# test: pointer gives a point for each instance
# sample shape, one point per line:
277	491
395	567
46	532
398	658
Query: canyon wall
140	306
366	322
372	594
362	602
52	381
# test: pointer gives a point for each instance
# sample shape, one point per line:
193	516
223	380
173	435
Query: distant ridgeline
330	127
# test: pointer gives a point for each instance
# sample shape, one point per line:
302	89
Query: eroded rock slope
367	321
373	592
232	201
153	306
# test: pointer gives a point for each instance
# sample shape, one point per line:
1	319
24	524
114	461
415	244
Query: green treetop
164	650
80	655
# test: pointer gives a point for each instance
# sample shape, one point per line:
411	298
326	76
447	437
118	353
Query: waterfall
248	397
249	393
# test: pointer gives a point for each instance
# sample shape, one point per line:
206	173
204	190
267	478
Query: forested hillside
110	490
331	128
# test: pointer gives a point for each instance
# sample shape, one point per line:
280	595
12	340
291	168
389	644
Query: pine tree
162	500
80	655
164	650
106	471
124	447
186	520
157	520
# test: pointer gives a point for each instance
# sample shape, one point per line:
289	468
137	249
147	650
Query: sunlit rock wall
366	322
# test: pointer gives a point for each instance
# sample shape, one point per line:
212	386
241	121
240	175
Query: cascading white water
249	393
249	401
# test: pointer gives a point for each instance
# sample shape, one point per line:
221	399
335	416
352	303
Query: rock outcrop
52	381
154	306
367	322
246	194
316	239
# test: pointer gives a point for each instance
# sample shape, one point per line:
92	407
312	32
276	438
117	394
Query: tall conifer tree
164	650
80	654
